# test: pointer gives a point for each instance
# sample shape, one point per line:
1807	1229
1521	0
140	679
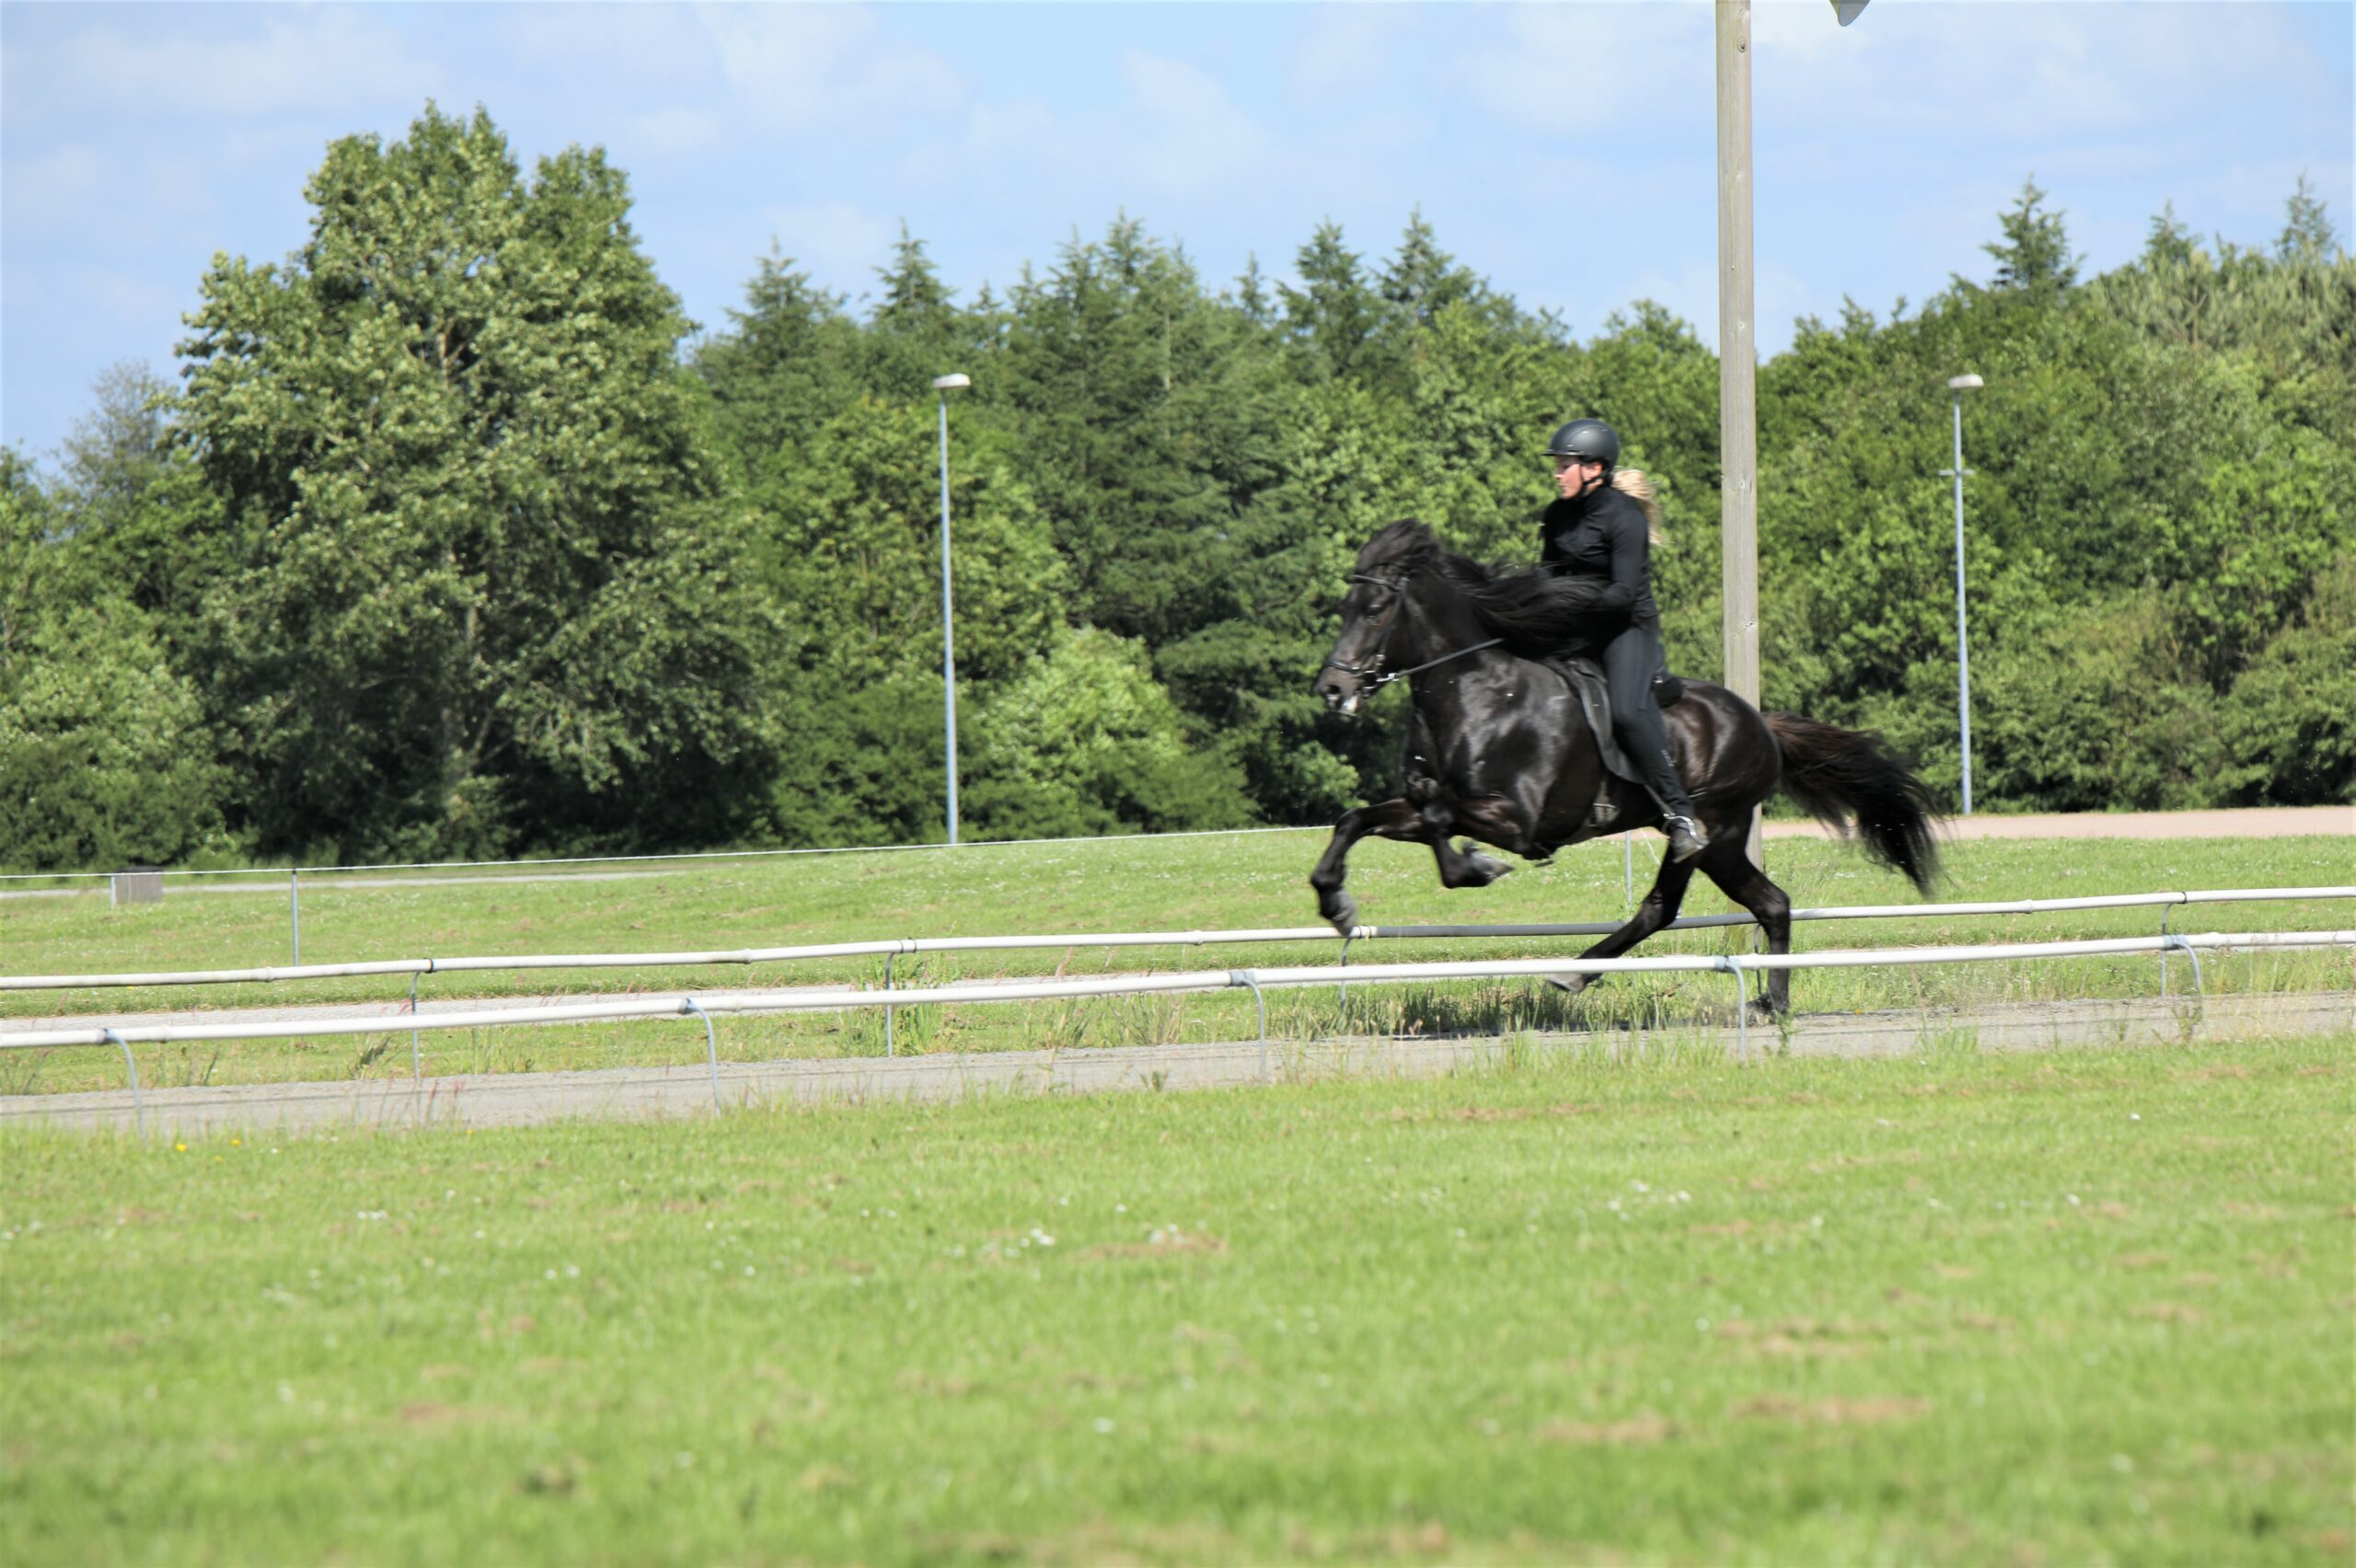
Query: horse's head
1371	611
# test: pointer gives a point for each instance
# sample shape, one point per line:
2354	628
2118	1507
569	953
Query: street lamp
1958	386
946	384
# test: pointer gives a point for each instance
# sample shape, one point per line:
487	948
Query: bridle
1371	671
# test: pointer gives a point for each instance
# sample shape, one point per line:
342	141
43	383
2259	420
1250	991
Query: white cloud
131	297
52	189
611	47
2021	74
671	133
832	67
294	60
1184	132
1349	52
1567	70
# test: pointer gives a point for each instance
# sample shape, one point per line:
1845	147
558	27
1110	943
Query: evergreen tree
2170	244
2307	232
2034	256
1335	311
784	370
1144	413
1421	280
915	332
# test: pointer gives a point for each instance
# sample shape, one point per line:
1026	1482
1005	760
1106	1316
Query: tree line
452	537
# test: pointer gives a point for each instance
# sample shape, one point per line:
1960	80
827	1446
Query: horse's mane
1527	606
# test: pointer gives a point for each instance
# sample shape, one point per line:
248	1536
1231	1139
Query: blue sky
1567	151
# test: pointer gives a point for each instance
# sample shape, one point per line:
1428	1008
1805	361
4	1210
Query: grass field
1167	884
2088	1308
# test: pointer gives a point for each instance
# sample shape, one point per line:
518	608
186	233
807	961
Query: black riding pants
1630	661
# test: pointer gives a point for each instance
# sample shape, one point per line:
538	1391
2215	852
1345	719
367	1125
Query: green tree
483	591
2307	232
1085	742
849	553
2286	732
1144	414
785	369
1333	313
915	331
1421	280
2034	256
104	757
133	516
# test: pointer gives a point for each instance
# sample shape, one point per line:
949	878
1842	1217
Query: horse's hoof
1485	868
1342	913
1570	985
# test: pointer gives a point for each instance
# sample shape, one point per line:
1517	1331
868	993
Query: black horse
1500	749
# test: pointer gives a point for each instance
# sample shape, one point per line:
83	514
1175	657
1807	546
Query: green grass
1169	883
2086	1308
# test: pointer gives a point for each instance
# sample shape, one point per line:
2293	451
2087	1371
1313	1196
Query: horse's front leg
1388	819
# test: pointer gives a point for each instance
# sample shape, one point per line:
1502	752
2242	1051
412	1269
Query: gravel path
527	1098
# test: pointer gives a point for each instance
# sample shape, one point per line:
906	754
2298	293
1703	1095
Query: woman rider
1599	547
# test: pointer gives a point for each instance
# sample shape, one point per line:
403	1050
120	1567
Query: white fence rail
889	948
1257	981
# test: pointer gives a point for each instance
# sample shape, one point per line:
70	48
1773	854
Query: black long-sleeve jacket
1601	546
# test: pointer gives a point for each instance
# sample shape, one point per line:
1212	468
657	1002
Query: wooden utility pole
1737	365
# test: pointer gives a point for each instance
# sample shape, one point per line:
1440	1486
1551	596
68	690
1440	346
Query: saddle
1586	678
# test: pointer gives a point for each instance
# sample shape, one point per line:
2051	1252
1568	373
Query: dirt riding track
531	1099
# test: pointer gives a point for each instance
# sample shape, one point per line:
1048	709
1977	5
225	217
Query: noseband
1371	671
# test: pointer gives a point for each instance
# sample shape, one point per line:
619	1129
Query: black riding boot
1686	838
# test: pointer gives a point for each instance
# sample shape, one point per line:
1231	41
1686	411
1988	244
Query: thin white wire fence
1257	981
894	946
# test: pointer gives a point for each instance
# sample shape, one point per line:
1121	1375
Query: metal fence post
2166	912
1246	977
712	1048
138	1106
2199	992
1733	966
891	1046
294	906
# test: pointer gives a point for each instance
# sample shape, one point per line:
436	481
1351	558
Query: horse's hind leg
1727	863
1461	865
1389	819
1660	907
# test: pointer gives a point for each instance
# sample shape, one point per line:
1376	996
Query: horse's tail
1836	773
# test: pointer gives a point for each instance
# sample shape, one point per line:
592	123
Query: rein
1414	669
1369	673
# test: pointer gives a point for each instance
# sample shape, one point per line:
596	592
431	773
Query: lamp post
1739	357
946	384
1958	386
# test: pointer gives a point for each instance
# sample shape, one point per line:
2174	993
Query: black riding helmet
1589	441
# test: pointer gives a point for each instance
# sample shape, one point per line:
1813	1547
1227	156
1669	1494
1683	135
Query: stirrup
1686	837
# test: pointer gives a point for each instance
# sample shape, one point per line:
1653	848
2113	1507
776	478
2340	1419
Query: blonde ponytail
1631	483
